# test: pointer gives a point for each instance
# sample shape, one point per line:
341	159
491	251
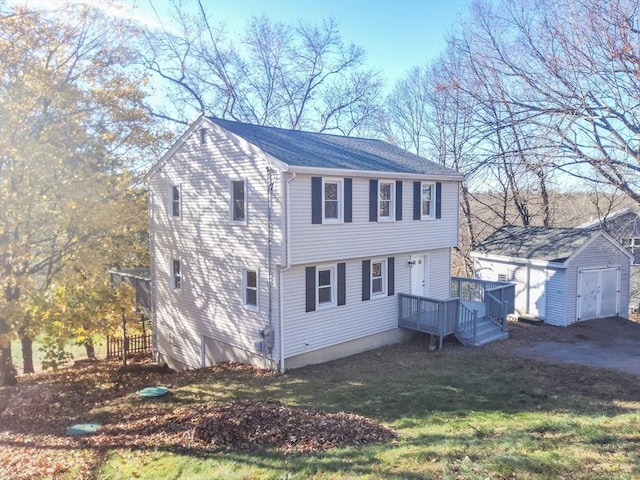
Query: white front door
598	293
420	275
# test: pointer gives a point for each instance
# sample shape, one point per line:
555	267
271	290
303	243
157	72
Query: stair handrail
468	321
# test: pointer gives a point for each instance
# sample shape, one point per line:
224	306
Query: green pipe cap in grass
153	392
83	429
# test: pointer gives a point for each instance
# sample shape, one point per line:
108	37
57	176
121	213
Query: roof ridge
309	132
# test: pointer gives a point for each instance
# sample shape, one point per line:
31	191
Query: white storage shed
562	275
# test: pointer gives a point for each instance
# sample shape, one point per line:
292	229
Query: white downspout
287	264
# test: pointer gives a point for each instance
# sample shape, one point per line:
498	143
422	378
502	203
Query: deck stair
487	332
476	315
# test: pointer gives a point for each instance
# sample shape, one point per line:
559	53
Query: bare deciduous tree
299	77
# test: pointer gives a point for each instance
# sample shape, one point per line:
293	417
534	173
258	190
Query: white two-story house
283	248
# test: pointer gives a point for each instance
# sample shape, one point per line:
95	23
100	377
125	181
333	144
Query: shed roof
540	243
321	150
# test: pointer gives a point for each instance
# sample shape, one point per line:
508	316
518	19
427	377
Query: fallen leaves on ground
35	415
270	424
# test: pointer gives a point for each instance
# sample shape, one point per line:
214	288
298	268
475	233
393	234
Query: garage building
562	275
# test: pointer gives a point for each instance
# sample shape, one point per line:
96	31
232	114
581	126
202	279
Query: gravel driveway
612	343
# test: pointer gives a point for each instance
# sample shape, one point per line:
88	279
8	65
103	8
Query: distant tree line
536	102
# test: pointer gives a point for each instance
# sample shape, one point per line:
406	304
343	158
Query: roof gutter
519	260
455	177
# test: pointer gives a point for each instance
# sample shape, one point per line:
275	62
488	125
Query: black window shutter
310	274
373	200
316	200
417	186
391	276
342	284
398	199
366	280
348	194
438	200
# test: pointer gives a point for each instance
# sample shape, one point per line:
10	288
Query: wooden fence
133	344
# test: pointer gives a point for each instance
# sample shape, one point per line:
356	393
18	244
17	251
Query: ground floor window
250	288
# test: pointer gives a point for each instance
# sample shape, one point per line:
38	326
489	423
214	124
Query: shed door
598	294
609	292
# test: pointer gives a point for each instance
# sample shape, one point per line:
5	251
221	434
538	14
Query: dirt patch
612	343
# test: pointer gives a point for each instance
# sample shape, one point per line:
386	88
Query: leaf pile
270	424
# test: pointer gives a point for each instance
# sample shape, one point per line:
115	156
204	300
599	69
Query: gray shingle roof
308	149
541	243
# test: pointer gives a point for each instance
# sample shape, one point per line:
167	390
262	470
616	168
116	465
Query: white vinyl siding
327	242
210	305
325	327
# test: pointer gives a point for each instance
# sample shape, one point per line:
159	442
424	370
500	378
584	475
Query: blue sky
396	34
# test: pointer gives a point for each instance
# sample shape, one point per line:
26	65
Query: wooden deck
475	318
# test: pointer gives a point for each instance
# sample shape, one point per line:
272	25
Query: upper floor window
175	206
331	206
331	200
385	200
238	201
250	288
427	201
176	274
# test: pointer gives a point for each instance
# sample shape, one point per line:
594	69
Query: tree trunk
91	351
27	354
7	370
8	374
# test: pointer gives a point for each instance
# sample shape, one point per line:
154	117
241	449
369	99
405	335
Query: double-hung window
239	201
250	289
176	274
427	202
378	278
378	272
385	200
326	286
175	202
331	206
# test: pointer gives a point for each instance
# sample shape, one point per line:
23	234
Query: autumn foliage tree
74	124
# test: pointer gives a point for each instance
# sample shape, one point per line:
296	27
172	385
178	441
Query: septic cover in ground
153	392
83	429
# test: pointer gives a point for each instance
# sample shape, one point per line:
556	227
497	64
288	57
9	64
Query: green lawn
461	414
77	351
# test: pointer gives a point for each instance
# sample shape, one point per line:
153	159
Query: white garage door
598	293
